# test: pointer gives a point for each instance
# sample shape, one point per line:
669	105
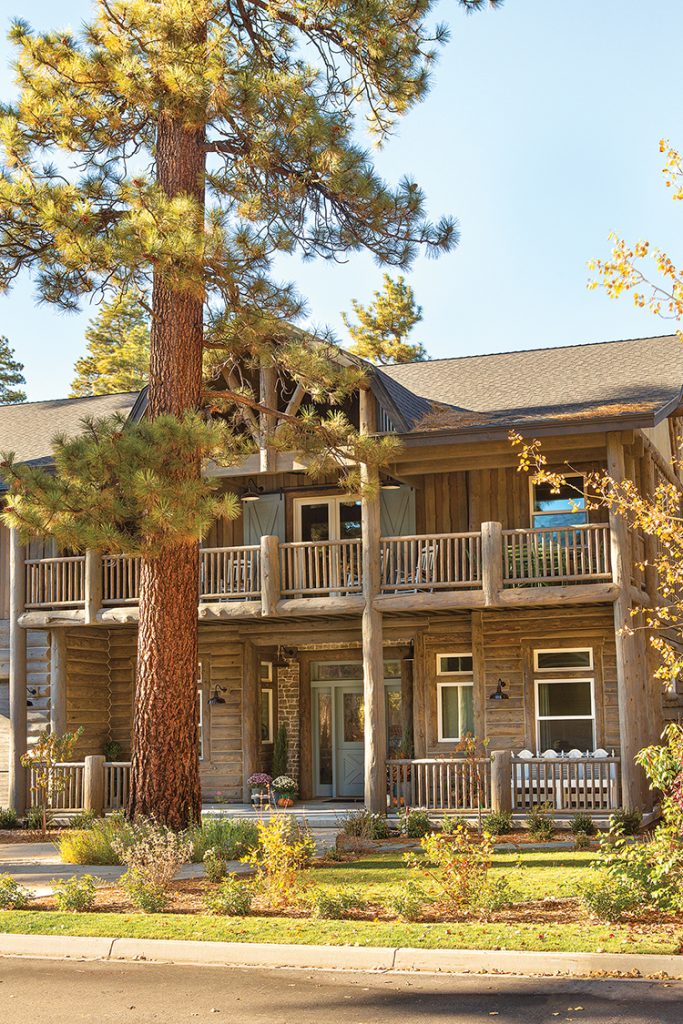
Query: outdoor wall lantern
410	653
498	692
216	698
389	484
285	655
252	492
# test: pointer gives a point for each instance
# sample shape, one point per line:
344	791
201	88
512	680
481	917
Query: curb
343	958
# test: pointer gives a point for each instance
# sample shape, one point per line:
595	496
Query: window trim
564	668
268	677
323	499
271	721
468	673
532	504
564	718
440	686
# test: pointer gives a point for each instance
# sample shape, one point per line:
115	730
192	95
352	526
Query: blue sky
540	134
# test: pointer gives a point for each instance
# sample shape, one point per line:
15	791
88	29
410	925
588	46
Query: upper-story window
327	518
565	507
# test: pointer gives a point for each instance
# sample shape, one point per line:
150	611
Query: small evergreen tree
10	375
381	334
117	356
280	753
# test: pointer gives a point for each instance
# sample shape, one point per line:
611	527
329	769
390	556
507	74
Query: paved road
57	992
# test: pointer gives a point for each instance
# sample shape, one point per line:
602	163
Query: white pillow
549	753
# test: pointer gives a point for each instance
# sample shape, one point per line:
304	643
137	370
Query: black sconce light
285	655
498	692
29	702
410	653
252	491
216	698
389	484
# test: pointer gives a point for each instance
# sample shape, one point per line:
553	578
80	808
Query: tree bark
165	766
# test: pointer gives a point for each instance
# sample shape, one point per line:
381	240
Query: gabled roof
638	378
28	429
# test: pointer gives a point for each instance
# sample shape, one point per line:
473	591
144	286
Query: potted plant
260	787
285	789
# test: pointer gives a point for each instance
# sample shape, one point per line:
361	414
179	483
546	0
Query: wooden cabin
459	598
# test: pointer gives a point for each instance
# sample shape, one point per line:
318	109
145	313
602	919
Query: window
266	672
572	658
333	518
454	664
200	727
266	714
455	700
567	507
565	712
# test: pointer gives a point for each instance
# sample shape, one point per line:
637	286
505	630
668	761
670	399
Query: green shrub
498	823
540	824
83	820
284	850
582	841
493	893
336	904
610	898
150	897
214	866
582	824
452	823
93	845
365	825
9	818
230	838
232	897
77	894
628	823
409	902
112	750
34	819
653	867
12	895
414	824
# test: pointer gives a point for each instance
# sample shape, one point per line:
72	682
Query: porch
491	567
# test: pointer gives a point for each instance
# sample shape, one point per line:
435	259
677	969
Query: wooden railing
321	567
116	785
120	579
229	573
446	561
565	554
440	784
55	582
66	797
566	783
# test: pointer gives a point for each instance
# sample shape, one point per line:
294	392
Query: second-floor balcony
487	568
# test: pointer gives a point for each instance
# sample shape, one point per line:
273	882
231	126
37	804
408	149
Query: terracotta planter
285	800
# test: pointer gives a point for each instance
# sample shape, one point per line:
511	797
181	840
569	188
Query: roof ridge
76	398
520	351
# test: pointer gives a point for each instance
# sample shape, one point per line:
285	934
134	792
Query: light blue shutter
264	518
397	512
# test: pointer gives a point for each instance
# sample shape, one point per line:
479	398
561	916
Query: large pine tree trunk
165	770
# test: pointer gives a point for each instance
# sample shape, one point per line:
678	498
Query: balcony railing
485	565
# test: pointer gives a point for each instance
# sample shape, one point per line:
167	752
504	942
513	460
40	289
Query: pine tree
196	140
10	375
381	334
118	348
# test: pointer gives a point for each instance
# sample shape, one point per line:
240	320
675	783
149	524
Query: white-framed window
454	695
454	664
266	714
200	727
266	672
565	714
327	517
572	659
564	506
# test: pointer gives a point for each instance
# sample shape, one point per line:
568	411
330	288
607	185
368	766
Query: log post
373	652
93	586
501	780
57	682
17	675
491	562
629	685
270	575
267	421
250	718
655	701
93	784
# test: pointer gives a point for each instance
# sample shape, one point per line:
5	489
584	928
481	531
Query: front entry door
350	730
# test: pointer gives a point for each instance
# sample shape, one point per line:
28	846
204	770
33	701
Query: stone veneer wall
288	686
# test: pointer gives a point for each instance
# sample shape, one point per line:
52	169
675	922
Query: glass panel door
315	521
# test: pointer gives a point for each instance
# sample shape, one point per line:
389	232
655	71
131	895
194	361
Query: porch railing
230	573
446	561
566	783
439	784
321	567
563	554
109	783
116	785
55	582
66	797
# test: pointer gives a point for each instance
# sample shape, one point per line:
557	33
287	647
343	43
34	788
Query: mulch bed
10	837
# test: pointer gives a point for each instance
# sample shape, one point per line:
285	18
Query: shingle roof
28	429
640	375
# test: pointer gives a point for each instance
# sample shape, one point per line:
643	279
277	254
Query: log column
57	682
373	653
629	665
17	675
250	718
